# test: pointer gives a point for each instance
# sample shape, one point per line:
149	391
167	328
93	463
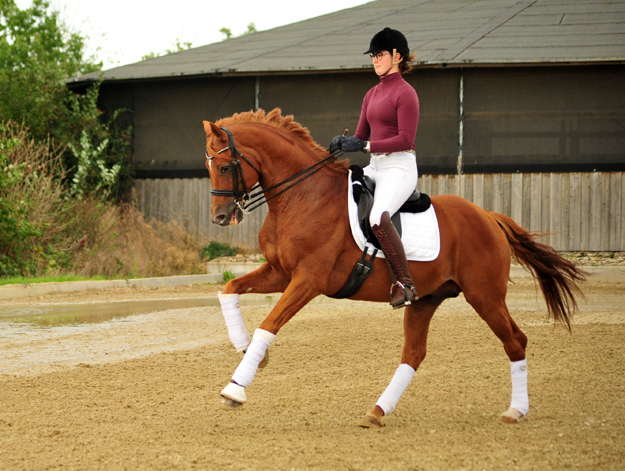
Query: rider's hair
405	66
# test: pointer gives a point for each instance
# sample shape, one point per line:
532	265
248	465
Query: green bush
92	175
218	249
15	230
31	203
45	232
98	154
37	54
65	171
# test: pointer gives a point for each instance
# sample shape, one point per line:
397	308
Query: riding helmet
387	40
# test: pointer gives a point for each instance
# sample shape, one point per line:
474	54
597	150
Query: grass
49	279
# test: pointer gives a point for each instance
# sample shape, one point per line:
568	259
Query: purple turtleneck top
389	115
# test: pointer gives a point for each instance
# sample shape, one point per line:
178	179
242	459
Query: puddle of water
55	315
76	314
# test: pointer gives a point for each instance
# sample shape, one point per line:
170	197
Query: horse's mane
285	123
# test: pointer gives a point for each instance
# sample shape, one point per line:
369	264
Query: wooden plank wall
581	211
188	202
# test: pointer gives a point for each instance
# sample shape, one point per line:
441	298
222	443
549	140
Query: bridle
240	197
258	198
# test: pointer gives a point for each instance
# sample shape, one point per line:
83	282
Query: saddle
363	189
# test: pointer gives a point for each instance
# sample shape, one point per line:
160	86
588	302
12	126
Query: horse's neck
287	162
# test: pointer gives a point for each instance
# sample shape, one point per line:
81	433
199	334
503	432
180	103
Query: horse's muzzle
227	215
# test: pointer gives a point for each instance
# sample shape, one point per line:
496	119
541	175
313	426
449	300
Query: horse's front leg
298	293
265	279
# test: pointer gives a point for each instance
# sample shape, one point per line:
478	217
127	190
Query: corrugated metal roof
441	32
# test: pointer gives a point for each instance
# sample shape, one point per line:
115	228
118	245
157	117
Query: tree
251	28
227	32
178	46
37	53
37	35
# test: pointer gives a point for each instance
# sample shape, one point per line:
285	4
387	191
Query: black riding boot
393	249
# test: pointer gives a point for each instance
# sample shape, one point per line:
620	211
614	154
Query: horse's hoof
234	392
229	404
511	416
265	360
370	421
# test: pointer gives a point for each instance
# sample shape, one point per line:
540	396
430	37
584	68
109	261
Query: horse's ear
211	128
207	126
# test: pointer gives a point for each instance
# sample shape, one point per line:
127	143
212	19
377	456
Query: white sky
120	32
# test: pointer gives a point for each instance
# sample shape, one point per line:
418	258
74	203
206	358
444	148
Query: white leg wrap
245	372
390	397
520	400
239	336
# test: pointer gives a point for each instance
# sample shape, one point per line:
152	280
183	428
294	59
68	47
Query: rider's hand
335	145
353	144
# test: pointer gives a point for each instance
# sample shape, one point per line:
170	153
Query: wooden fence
188	202
581	211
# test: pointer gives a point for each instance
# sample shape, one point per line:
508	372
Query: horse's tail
557	276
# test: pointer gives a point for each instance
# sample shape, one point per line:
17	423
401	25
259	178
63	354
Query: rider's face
383	63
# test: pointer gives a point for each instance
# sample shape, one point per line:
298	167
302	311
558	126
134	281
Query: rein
258	198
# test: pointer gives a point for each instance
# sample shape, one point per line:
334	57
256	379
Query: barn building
522	108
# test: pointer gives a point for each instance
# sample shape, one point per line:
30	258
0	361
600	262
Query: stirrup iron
407	302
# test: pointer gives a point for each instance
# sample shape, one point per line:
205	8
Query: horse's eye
224	169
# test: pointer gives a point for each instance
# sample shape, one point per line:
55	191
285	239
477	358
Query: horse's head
232	175
278	145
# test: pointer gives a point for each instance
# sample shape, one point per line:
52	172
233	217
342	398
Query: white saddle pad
420	233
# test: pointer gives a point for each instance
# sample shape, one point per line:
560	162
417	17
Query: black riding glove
335	145
353	144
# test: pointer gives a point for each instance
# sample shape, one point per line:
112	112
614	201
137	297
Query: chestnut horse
310	251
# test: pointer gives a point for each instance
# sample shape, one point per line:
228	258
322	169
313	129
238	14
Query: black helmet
387	40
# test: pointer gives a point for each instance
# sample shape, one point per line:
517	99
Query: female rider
387	128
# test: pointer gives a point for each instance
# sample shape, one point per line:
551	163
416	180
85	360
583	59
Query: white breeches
395	177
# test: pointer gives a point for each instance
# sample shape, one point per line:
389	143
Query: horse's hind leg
493	310
519	403
417	317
